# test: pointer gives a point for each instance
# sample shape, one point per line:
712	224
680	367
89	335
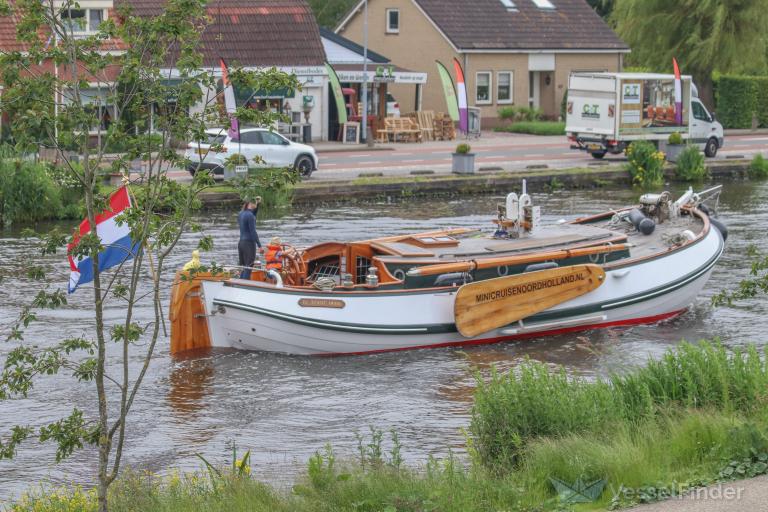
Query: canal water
285	408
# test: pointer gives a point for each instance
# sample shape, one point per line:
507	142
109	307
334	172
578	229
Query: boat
642	264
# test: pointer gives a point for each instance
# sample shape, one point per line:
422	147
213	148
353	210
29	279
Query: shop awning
353	73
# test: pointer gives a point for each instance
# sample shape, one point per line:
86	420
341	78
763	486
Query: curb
324	192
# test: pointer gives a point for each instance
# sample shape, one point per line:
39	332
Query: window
74	20
82	21
504	87
483	88
510	5
253	137
393	21
699	112
213	139
271	138
543	4
95	17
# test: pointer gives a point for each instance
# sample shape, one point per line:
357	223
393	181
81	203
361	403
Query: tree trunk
707	91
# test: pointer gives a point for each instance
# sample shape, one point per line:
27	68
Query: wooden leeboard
486	305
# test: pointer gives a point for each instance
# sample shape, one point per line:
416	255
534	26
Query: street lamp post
364	134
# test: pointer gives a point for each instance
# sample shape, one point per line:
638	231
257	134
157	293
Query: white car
273	149
393	107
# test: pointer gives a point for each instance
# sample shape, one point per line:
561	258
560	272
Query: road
494	151
504	151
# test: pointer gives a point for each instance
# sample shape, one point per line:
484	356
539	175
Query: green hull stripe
340	326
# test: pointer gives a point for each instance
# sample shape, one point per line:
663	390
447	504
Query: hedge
739	98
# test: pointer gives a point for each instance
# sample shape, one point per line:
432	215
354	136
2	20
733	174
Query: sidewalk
739	496
487	139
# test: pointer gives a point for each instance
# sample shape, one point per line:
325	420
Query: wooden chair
426	120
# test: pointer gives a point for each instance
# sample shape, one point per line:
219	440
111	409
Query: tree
602	7
705	36
129	62
329	13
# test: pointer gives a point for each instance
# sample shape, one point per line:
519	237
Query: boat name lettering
520	289
322	303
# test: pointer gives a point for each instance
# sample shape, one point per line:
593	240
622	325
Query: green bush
31	192
758	168
646	164
564	106
533	401
675	139
519	114
737	101
508	113
463	149
762	100
690	165
535	128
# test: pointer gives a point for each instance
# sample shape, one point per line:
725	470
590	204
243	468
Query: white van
605	112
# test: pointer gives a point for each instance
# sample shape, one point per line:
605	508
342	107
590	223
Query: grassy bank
692	418
535	128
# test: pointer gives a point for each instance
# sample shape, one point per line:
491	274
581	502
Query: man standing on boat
249	238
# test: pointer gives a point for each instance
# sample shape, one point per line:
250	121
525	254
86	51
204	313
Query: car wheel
304	165
192	169
598	155
710	150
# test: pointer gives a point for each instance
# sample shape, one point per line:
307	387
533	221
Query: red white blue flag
229	101
678	94
116	240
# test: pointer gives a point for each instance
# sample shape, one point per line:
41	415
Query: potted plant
234	164
675	146
463	160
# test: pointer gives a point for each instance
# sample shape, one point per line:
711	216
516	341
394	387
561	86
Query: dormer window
543	4
83	21
509	5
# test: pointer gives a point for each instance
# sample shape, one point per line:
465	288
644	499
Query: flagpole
364	134
155	279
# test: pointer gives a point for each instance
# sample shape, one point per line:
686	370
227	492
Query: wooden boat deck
553	237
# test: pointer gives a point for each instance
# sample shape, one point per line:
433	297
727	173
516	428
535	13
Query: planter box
463	163
673	151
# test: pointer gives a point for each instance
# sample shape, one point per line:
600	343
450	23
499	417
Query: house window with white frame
483	83
504	82
393	21
83	21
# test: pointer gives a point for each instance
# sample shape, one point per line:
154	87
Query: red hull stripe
528	335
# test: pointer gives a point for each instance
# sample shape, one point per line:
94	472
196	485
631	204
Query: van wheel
304	165
598	155
711	148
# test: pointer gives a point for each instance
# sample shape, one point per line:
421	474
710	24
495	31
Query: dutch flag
118	246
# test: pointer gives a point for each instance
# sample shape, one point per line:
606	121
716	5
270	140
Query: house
253	34
514	52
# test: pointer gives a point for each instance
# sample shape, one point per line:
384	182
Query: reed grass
533	401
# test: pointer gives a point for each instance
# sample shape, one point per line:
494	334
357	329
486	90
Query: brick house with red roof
254	34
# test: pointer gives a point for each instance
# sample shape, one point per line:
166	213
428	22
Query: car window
251	137
271	138
699	112
216	138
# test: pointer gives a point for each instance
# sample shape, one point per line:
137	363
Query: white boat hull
265	318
